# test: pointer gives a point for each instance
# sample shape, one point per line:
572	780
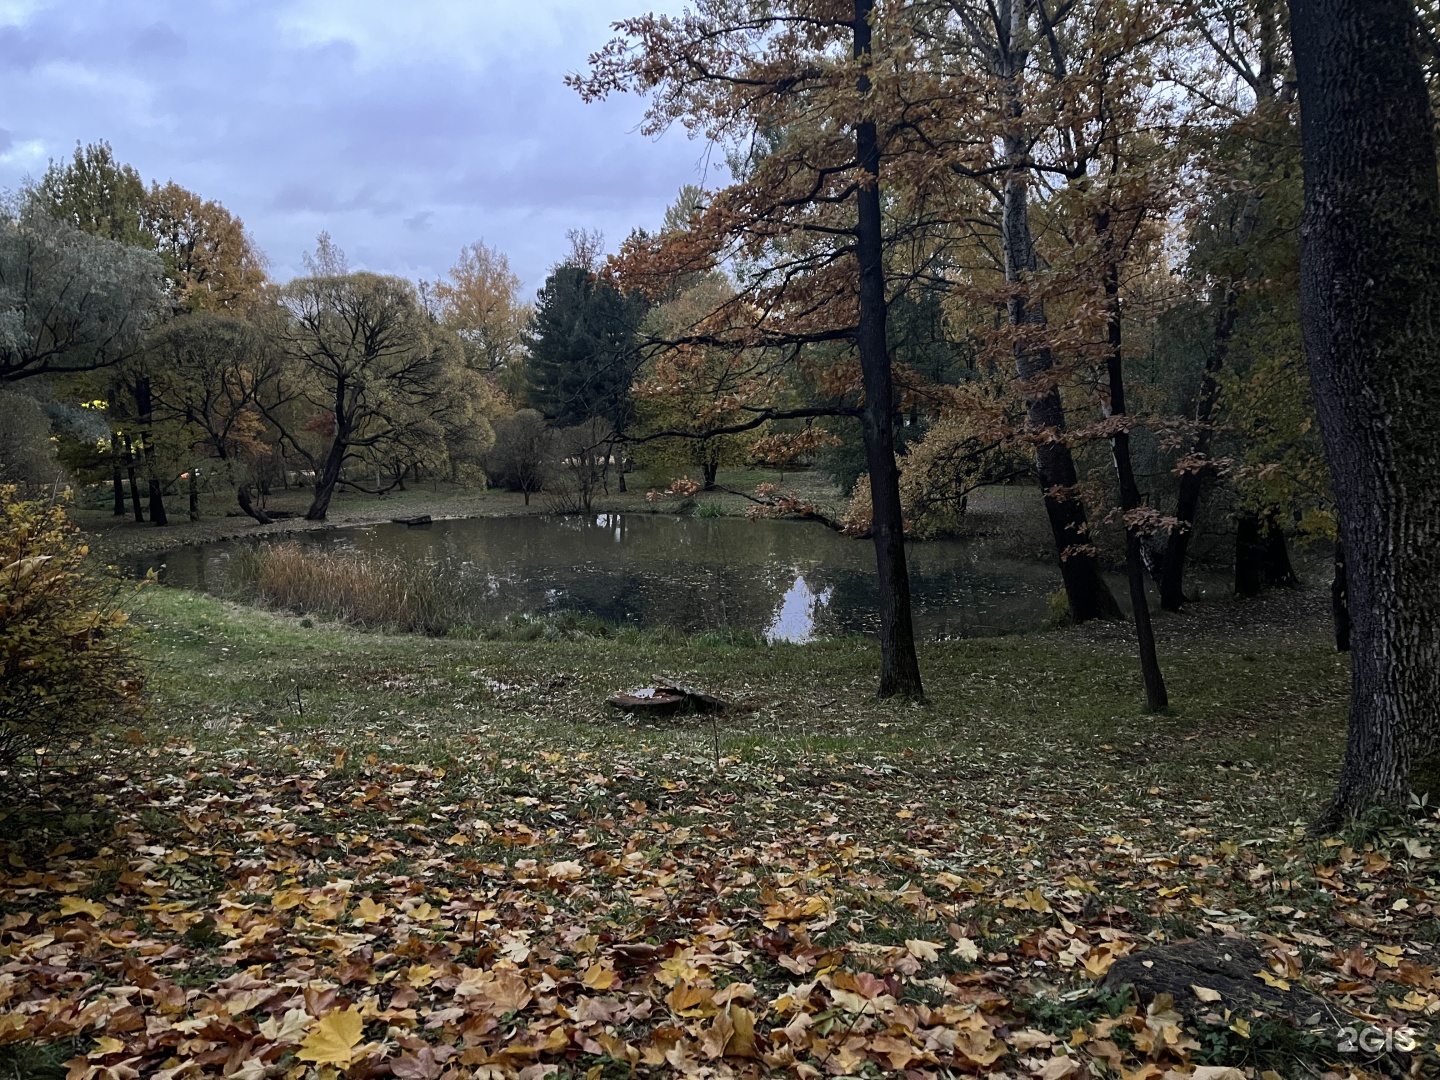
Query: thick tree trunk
1249	555
899	665
1156	697
1370	312
1275	564
156	491
326	481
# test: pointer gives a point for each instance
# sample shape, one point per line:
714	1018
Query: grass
1029	805
1262	719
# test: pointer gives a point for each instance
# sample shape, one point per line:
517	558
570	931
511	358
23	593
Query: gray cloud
404	136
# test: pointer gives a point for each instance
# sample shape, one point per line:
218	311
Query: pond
791	581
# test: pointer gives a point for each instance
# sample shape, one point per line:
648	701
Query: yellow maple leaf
74	905
368	911
600	977
923	950
1036	900
1204	993
333	1039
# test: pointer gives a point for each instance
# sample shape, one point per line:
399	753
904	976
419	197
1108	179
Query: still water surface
791	581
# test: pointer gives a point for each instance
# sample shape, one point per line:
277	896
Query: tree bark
327	479
1275	563
134	485
1370	314
899	665
1156	696
1249	555
194	495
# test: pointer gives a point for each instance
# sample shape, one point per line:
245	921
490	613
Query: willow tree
370	359
1370	311
799	92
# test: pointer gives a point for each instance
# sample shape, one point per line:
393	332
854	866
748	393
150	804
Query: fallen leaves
426	923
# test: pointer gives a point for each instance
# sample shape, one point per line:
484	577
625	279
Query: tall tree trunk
117	484
155	490
1085	590
1370	313
1226	300
899	665
134	485
144	406
194	494
1275	563
1156	697
1249	554
1192	479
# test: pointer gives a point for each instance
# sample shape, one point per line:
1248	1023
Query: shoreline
111	537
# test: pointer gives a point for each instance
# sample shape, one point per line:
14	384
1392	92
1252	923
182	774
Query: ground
338	853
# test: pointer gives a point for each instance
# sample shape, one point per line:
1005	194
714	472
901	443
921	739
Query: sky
404	128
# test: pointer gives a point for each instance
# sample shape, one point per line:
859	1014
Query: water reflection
795	621
790	581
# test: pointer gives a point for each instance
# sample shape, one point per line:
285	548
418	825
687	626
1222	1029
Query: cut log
666	697
422	519
653	701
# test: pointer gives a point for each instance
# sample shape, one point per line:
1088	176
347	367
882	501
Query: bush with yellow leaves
66	665
937	474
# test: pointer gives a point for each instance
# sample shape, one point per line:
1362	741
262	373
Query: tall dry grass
369	591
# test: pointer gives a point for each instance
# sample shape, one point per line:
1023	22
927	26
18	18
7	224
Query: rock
1210	975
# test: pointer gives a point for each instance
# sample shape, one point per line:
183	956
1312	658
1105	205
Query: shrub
66	665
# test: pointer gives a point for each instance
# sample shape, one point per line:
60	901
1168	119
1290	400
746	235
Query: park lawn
341	853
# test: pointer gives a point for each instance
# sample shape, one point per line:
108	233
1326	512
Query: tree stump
1225	965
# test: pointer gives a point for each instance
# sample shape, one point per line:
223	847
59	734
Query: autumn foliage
66	668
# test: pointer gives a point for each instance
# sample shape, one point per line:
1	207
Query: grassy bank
412	855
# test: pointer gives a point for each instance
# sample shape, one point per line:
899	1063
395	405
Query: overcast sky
406	128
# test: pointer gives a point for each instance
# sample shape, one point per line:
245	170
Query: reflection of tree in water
795	619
